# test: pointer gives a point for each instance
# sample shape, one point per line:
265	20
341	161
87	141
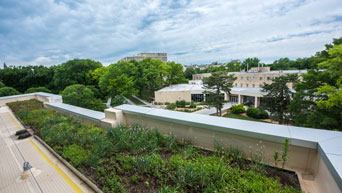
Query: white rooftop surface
97	115
271	72
47	170
182	87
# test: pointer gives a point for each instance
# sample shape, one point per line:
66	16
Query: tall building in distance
141	56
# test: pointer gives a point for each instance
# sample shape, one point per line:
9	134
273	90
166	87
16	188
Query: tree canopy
80	95
217	83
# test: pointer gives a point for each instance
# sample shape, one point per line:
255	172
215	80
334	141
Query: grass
238	116
135	101
135	159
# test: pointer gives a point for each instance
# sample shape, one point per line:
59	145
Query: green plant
181	104
76	154
167	103
237	109
134	179
285	152
257	113
172	106
276	157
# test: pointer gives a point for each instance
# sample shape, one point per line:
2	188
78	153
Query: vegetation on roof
135	159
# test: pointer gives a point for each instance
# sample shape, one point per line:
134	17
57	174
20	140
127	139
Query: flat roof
182	87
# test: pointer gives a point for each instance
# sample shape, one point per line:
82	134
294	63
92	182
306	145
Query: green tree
8	91
282	64
38	89
119	79
80	95
189	71
278	96
315	103
175	74
217	83
250	62
77	71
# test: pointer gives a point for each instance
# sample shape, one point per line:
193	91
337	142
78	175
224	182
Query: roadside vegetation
134	159
252	114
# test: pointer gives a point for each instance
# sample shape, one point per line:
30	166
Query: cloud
50	32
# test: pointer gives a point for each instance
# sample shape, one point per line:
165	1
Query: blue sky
49	32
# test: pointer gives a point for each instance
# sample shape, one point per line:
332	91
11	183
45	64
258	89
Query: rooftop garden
135	159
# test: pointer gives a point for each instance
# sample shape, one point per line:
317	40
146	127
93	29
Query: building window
235	84
268	78
241	77
253	78
197	97
260	77
247	77
234	99
246	85
241	85
253	85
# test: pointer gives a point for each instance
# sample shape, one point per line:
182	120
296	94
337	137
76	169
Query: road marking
58	169
9	114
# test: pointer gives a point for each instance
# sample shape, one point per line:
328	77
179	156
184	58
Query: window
241	77
253	85
260	77
253	78
197	97
268	78
246	85
235	84
247	77
241	84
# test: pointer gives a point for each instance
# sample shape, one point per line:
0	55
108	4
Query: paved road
212	110
51	175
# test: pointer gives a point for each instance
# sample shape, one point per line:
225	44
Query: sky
49	32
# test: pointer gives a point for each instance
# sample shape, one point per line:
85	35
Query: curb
69	166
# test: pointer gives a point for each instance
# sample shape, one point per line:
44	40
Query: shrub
118	100
38	89
237	109
257	113
8	91
192	105
172	106
76	154
181	104
167	103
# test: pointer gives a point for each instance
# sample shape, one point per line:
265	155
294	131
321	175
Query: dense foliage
215	84
257	113
38	89
237	109
278	97
136	159
82	96
7	91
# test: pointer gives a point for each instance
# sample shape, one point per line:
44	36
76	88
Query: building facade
142	56
246	90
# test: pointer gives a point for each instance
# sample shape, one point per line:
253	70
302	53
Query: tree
80	95
217	83
77	71
282	64
8	91
175	74
189	71
250	62
278	96
316	102
119	79
38	89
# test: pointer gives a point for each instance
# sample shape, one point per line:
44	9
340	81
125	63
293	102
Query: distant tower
5	66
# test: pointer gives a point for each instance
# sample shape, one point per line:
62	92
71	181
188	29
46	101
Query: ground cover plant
134	159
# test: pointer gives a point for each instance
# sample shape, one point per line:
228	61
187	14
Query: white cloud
51	32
